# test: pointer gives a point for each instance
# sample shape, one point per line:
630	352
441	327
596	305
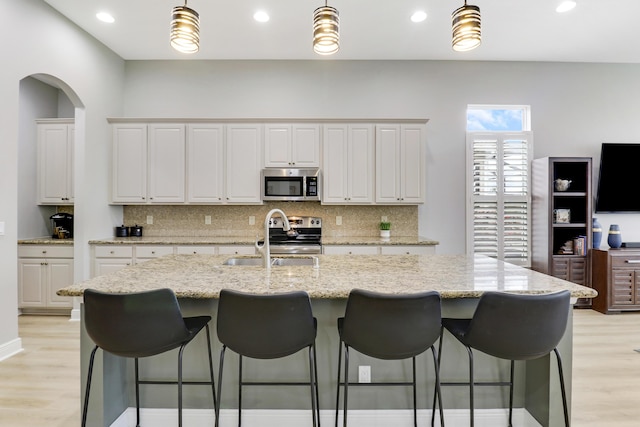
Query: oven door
283	188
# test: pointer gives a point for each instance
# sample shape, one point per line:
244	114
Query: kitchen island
197	280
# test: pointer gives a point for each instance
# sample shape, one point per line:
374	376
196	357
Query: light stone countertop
250	240
454	276
45	241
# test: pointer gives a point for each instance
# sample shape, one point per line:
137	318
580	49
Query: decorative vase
597	233
615	238
385	234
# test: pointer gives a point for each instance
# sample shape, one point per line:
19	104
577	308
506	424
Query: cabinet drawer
196	250
113	251
350	250
406	250
632	261
143	251
45	251
236	250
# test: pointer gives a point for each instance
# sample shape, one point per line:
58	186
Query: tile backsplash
360	221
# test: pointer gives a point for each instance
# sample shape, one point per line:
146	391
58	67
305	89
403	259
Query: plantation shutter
498	213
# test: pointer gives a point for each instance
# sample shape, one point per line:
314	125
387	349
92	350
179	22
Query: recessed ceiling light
566	6
419	16
261	16
105	17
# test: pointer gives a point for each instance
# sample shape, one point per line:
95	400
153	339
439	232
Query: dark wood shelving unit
549	236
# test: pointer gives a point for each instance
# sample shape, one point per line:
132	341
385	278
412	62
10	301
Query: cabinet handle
632	261
44	252
111	252
195	252
153	252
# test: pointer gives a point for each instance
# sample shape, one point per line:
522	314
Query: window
499	150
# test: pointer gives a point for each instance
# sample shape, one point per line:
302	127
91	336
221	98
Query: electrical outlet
364	374
207	219
252	220
384	219
149	219
338	220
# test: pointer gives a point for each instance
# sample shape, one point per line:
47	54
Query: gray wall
92	77
575	107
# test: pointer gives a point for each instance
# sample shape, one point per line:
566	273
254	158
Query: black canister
122	231
135	231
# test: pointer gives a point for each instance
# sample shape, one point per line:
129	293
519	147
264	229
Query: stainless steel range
305	236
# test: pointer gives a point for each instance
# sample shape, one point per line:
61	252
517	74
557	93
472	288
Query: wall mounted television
619	179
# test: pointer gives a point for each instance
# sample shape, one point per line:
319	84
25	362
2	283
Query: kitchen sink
284	262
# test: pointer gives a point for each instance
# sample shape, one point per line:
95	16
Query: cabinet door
622	287
305	146
412	164
387	164
236	250
243	145
60	272
335	160
277	145
129	174
55	166
348	164
400	164
196	250
31	282
361	164
205	163
166	163
407	250
102	266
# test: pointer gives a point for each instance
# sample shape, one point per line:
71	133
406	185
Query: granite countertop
454	276
250	240
45	241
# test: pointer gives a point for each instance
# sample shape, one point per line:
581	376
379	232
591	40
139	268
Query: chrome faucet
265	250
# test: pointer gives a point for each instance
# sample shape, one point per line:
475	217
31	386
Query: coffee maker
62	226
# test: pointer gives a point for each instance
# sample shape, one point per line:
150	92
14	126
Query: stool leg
436	394
437	391
217	406
137	394
240	392
346	385
415	397
87	391
213	384
315	373
562	388
471	385
511	394
338	382
180	385
314	412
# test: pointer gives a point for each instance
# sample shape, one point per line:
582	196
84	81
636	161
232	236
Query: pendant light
185	29
466	28
326	30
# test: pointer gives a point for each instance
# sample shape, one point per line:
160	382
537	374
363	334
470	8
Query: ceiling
512	30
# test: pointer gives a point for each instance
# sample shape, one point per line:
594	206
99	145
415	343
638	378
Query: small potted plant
385	229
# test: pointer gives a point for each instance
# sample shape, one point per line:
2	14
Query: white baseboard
302	418
75	315
10	348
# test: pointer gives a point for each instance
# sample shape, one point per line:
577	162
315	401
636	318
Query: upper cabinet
148	163
205	163
348	164
243	163
400	164
55	161
292	145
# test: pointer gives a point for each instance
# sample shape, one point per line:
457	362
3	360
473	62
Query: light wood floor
40	387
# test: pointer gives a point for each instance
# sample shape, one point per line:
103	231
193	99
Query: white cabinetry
55	161
148	163
42	271
243	163
288	145
350	250
110	258
205	163
400	164
348	164
378	250
407	250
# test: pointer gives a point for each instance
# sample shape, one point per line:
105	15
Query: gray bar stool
267	327
141	324
513	327
389	327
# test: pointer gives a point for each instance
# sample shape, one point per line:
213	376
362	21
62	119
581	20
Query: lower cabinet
42	271
616	277
378	250
111	258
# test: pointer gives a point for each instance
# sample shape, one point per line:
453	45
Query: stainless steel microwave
291	184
